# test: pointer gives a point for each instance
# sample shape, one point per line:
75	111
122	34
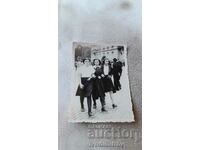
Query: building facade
109	52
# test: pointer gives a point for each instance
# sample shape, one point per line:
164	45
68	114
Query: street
123	113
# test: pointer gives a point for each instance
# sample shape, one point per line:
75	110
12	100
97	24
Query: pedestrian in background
117	72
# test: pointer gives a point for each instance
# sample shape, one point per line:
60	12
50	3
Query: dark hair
103	58
109	63
98	60
115	59
86	59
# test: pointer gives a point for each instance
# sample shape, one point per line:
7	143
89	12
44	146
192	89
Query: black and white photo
100	87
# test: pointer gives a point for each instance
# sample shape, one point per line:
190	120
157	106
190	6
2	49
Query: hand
102	75
93	76
88	79
81	86
99	77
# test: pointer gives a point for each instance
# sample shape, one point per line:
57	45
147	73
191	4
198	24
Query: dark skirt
108	84
98	89
87	89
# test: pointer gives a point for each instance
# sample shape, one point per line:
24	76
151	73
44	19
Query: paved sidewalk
123	113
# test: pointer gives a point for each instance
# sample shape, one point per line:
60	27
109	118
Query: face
86	62
106	62
96	62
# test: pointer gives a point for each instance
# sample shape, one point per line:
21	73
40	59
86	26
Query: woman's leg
112	99
94	103
102	99
89	103
82	103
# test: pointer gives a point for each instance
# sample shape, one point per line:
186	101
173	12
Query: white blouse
106	70
85	71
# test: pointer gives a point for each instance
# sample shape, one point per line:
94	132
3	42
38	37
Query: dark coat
107	81
110	71
117	69
98	87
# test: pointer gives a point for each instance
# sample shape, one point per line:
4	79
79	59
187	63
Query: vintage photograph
100	74
100	87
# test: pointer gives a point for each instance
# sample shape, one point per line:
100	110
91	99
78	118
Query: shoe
103	109
117	89
113	105
95	106
82	110
90	114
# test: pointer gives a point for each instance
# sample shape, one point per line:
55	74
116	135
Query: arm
110	71
92	73
102	72
79	80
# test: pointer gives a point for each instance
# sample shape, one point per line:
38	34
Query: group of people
95	79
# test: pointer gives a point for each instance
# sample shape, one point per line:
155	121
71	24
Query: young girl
108	84
98	87
85	85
